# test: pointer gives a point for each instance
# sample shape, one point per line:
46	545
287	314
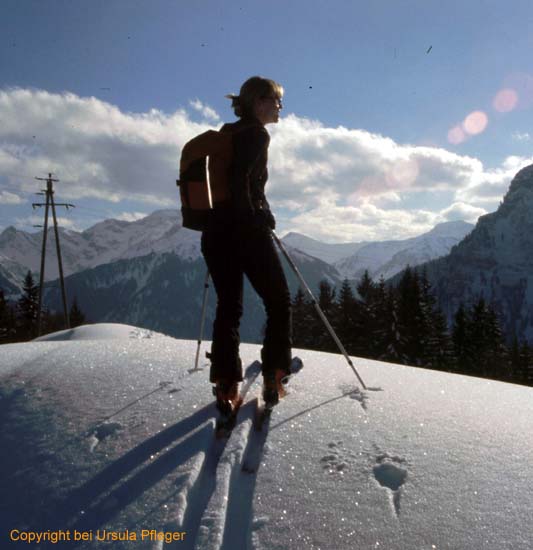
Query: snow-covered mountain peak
457	229
105	242
327	252
386	259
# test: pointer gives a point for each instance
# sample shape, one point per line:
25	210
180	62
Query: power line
50	203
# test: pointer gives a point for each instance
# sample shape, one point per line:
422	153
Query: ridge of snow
100	331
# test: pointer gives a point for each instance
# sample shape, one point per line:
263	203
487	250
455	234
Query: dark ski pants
230	254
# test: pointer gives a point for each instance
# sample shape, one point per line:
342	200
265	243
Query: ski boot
227	396
228	402
274	387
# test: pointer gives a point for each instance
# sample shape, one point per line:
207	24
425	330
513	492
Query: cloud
365	222
462	211
96	150
334	183
486	188
37	221
130	216
521	136
308	158
206	111
10	198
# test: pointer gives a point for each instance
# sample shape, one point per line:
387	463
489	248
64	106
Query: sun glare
456	135
475	123
505	100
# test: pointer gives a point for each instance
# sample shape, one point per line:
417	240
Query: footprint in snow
335	462
390	473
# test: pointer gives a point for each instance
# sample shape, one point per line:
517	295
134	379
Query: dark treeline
18	320
404	324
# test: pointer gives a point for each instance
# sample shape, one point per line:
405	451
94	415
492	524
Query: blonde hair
254	88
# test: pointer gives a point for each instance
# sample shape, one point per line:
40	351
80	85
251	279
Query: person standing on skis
238	242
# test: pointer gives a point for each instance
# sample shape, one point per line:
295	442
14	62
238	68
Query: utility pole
49	193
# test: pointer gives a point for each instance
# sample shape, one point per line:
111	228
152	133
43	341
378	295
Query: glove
260	219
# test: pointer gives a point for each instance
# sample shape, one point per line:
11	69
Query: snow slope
108	430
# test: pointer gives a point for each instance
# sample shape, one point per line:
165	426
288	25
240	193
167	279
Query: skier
238	242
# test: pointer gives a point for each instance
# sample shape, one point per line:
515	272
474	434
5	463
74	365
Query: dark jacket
248	175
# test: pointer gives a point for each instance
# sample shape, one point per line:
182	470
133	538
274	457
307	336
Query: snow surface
115	434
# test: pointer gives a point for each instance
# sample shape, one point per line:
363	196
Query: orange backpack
205	165
204	176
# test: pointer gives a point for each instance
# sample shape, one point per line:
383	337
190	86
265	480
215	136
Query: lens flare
505	100
522	85
475	123
456	135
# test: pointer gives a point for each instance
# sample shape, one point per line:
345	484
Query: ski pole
202	321
317	307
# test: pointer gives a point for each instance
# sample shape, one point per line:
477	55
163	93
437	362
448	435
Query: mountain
105	242
386	259
107	431
164	291
328	252
11	277
161	232
150	272
494	262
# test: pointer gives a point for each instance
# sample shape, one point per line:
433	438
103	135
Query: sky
398	115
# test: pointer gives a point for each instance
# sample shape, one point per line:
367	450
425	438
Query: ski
228	418
262	415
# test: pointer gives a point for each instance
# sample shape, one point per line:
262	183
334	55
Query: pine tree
346	321
366	287
76	316
7	320
440	348
28	305
51	322
301	319
526	357
438	352
478	338
390	345
412	322
326	301
488	355
364	345
496	353
521	361
462	349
